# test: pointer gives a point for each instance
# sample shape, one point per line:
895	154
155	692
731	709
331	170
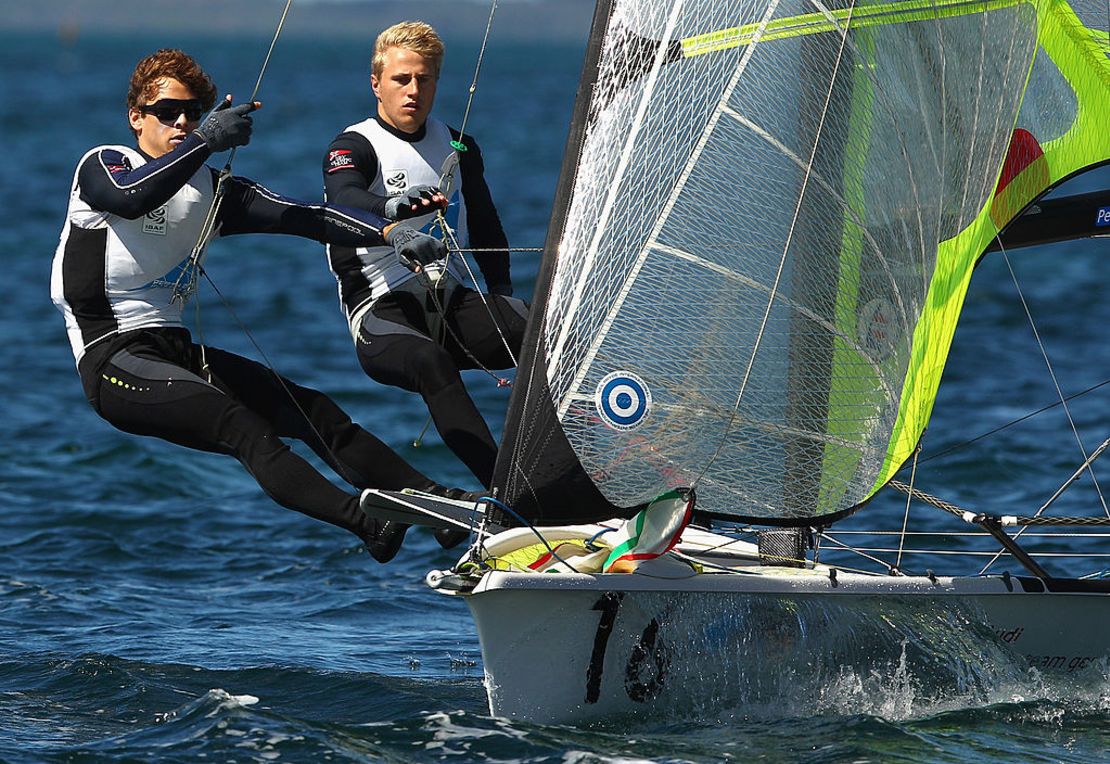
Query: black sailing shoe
384	541
449	538
456	494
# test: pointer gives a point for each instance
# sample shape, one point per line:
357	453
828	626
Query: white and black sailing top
371	161
132	225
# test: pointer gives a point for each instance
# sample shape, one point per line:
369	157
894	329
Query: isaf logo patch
154	222
396	181
340	159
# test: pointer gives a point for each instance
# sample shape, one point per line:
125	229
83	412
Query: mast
533	444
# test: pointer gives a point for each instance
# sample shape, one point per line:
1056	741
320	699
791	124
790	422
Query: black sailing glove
415	249
418	200
227	126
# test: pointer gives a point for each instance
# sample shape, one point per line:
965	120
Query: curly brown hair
169	63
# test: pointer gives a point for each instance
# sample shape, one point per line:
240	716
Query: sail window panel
690	354
978	112
1050	106
646	99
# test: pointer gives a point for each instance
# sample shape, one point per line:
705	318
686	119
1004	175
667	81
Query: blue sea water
155	606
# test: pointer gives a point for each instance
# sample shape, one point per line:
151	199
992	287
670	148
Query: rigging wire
474	83
906	516
190	271
1059	491
185	286
449	235
453	247
1017	421
1055	381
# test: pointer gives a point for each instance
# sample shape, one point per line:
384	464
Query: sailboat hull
576	648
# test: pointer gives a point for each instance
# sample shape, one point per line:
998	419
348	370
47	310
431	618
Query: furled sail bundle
767	220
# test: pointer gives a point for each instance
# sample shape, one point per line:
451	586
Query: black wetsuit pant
403	342
150	382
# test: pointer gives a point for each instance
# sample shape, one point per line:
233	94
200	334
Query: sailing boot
449	538
384	540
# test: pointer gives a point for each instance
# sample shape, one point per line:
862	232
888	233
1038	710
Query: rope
498	249
929	499
189	274
535	531
1008	519
474	83
1076	521
1055	382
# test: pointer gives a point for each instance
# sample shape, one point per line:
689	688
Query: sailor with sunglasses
135	215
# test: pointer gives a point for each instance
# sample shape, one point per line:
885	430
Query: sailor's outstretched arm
109	183
249	207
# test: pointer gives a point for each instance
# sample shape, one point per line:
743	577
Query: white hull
572	647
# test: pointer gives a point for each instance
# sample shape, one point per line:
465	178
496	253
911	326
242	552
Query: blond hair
416	36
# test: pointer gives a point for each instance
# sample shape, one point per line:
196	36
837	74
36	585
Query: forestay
767	220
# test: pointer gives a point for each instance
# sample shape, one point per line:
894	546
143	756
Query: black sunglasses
168	109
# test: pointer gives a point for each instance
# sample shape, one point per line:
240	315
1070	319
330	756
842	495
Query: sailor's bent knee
432	368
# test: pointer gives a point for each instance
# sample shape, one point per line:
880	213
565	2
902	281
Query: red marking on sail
1024	176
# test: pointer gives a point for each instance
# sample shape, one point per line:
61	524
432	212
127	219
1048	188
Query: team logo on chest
396	181
154	222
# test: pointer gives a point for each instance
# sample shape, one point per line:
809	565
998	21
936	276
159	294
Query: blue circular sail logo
623	400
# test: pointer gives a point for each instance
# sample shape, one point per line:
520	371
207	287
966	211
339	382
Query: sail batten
766	226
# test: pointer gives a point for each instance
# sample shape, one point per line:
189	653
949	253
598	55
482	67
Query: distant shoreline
321	19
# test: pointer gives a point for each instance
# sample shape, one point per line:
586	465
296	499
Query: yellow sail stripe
859	17
1079	54
852	382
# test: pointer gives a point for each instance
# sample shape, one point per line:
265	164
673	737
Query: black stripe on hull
1065	585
